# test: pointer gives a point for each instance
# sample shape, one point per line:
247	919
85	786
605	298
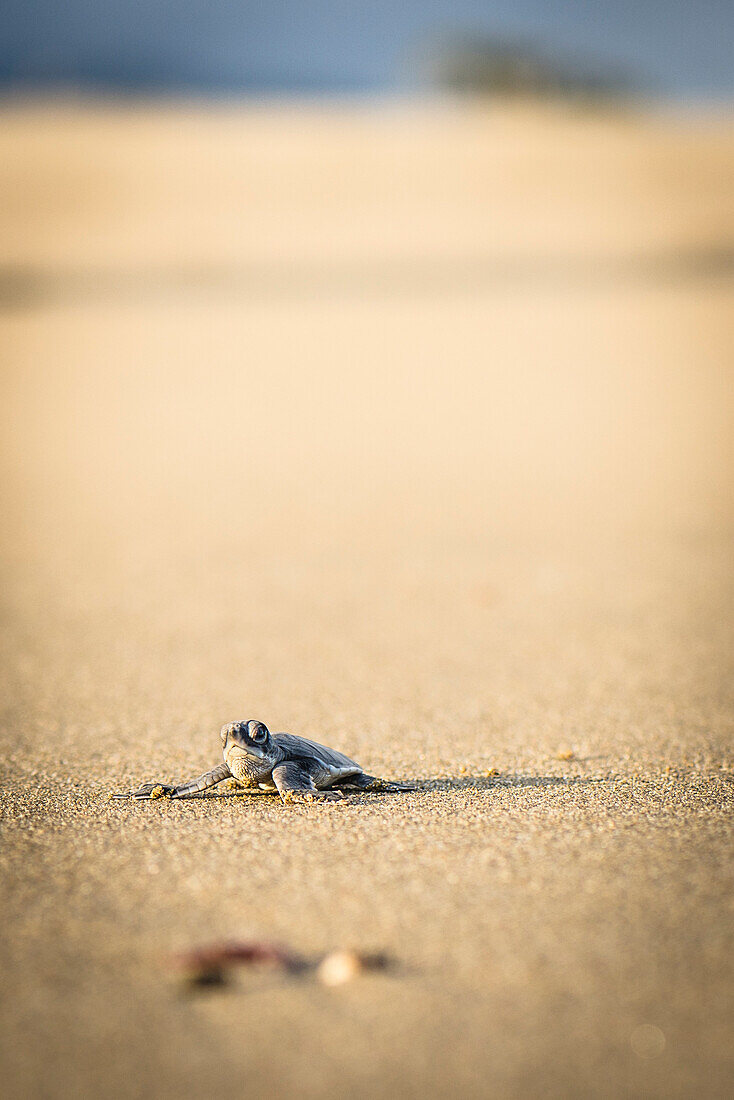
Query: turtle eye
259	733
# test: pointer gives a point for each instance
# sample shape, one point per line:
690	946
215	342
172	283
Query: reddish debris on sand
208	965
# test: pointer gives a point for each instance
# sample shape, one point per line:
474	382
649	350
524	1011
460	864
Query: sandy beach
409	430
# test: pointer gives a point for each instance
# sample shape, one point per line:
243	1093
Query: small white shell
339	967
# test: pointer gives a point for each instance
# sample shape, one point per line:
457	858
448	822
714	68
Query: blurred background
385	224
286	47
367	369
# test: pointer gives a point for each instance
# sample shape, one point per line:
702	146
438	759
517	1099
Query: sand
408	430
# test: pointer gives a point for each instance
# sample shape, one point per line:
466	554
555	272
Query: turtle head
251	738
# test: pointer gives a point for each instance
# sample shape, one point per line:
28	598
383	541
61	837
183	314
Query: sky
683	48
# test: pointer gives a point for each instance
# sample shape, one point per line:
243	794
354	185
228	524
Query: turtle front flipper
183	790
208	779
295	784
148	790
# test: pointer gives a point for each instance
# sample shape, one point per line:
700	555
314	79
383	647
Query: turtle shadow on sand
494	782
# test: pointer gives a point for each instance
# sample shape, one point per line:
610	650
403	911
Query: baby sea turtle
298	769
